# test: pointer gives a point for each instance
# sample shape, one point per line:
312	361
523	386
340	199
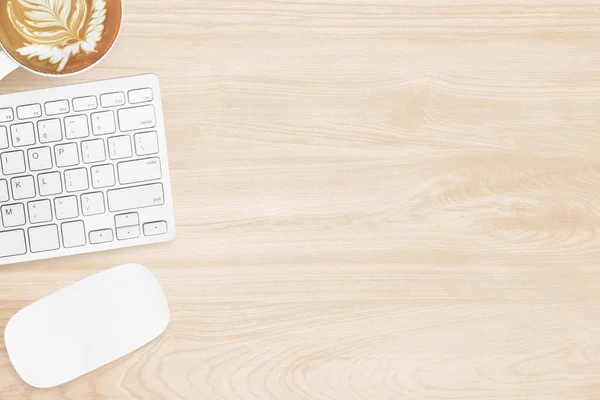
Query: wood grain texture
382	200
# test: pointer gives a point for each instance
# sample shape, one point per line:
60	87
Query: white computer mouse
86	325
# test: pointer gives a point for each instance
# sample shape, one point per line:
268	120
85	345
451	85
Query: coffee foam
59	36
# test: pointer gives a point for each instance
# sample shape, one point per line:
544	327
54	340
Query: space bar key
134	197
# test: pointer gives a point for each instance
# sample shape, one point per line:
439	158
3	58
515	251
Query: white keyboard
83	168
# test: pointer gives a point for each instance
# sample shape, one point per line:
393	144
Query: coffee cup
57	37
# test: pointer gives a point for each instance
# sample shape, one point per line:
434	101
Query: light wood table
376	200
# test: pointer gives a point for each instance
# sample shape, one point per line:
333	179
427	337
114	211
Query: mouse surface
86	325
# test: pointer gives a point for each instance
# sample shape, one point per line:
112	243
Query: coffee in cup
59	37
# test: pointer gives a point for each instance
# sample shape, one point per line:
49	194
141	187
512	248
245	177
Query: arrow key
101	236
155	228
128	232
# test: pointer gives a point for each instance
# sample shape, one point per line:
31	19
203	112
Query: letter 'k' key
23	187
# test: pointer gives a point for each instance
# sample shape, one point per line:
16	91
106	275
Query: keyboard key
13	215
76	127
101	236
119	147
40	158
76	180
85	103
135	197
112	99
146	143
3	191
23	187
103	123
22	134
43	238
6	115
12	243
66	207
92	151
40	211
73	234
29	111
57	107
155	228
50	184
13	162
140	95
131	119
103	176
92	204
49	130
128	219
139	170
128	232
66	155
3	138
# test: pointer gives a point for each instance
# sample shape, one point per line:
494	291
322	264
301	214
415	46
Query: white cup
8	63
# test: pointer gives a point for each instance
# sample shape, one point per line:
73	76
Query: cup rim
46	74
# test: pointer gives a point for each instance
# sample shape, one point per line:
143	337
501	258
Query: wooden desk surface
376	200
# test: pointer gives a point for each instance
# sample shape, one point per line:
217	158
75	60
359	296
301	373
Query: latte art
69	32
59	36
